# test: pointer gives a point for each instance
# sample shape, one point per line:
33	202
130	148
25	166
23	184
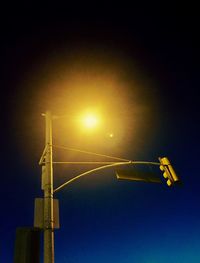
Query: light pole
47	186
46	161
48	193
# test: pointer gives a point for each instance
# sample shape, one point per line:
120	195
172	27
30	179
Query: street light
46	160
90	121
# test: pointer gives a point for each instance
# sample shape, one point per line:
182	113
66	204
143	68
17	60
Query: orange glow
107	87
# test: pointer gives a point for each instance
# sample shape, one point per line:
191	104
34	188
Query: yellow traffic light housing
168	171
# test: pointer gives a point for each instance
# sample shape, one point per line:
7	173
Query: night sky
138	68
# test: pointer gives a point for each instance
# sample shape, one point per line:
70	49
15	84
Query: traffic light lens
165	175
161	168
169	183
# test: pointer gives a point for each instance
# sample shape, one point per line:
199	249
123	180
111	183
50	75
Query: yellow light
161	168
165	175
169	183
90	121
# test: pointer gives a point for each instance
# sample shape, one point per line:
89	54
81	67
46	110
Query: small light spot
111	135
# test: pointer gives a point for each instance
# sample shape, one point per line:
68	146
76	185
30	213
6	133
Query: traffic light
168	171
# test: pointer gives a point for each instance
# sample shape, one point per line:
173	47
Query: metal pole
48	194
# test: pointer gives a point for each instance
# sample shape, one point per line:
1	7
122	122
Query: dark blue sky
151	57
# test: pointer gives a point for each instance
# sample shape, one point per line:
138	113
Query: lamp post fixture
48	223
47	184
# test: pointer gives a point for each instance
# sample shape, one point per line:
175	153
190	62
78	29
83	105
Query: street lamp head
90	121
